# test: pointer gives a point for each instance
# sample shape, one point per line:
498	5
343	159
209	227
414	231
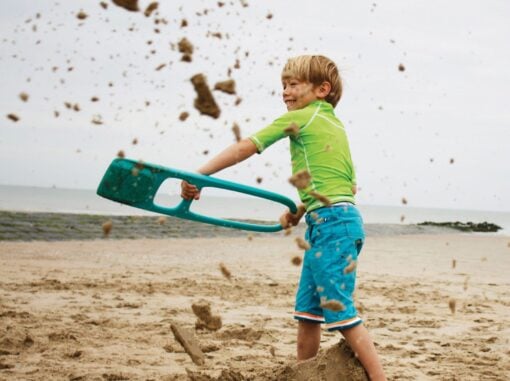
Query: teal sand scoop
135	183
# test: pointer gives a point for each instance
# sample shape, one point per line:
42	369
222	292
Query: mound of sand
337	363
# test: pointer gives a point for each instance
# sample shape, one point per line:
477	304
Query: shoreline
45	226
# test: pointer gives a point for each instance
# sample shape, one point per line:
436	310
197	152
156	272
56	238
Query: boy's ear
324	89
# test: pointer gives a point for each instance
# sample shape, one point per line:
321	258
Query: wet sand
102	309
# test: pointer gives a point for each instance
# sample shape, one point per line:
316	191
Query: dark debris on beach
39	226
482	227
24	226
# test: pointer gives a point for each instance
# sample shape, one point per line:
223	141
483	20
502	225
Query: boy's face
298	94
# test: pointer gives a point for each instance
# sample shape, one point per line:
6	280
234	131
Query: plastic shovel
136	183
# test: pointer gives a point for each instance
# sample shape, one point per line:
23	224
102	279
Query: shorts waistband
336	204
342	203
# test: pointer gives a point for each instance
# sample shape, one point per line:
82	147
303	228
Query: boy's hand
289	219
189	191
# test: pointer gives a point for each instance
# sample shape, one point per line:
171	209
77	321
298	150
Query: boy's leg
362	345
308	339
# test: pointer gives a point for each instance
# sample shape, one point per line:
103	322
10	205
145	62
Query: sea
86	201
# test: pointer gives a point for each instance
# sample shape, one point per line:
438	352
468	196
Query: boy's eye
290	84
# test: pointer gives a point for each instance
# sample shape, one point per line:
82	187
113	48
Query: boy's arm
233	154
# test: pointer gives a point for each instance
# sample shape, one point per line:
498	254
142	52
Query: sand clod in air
401	67
107	227
452	303
300	179
97	119
23	96
151	8
237	132
13	117
302	244
130	5
204	102
81	15
296	260
466	282
228	86
320	197
183	116
186	48
160	66
225	271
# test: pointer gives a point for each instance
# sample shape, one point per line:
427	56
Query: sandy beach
437	306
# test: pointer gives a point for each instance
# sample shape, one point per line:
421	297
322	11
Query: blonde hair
315	69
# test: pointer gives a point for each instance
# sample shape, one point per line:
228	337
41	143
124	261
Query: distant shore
37	226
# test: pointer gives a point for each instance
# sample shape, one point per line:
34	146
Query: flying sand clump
81	15
13	117
186	48
225	271
228	86
237	132
296	260
130	5
302	244
151	8
320	197
23	96
452	305
204	102
183	116
300	179
107	228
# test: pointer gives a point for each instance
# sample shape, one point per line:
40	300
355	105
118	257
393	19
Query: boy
320	155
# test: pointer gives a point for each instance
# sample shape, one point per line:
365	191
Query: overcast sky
436	134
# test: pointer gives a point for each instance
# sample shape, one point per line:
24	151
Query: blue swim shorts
328	274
